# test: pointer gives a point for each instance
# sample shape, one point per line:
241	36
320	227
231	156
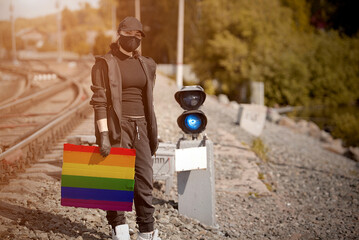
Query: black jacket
107	98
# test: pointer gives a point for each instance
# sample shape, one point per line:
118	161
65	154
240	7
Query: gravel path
302	192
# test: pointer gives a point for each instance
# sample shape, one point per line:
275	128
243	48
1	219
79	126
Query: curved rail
25	101
27	73
27	85
35	143
77	100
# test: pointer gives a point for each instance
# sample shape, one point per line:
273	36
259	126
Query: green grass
253	194
260	176
269	187
260	149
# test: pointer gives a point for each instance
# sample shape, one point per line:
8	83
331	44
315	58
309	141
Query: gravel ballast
301	192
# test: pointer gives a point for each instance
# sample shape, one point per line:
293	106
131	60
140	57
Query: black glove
105	145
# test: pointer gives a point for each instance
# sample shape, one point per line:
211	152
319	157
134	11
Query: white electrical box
191	159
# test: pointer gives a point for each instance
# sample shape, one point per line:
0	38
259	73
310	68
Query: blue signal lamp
192	121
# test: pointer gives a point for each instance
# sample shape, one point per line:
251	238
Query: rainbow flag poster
89	180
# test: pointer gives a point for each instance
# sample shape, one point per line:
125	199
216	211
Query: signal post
194	159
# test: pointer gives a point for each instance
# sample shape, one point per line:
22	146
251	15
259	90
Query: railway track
25	79
32	123
16	82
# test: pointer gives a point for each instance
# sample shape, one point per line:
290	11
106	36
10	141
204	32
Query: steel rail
28	74
76	101
25	152
18	94
22	102
14	70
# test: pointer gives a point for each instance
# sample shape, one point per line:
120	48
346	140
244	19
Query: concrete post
252	117
257	93
59	32
196	188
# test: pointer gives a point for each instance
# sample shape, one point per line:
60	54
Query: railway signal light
191	121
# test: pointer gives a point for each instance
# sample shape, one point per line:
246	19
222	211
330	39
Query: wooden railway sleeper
3	172
47	143
28	159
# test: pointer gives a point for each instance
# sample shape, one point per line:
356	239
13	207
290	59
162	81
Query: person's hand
105	145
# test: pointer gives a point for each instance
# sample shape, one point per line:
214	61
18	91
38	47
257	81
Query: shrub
346	127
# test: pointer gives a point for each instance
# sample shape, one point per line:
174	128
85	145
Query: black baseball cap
130	24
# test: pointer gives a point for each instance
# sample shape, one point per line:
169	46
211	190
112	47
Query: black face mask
129	43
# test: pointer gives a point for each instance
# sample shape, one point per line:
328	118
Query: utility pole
138	9
59	32
113	16
179	74
138	15
113	5
13	37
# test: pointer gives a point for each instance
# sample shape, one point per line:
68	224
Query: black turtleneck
133	83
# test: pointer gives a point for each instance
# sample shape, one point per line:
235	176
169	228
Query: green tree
159	19
105	12
69	19
346	127
300	13
240	41
75	41
5	36
334	70
88	18
102	44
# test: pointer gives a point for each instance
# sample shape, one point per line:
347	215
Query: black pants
134	135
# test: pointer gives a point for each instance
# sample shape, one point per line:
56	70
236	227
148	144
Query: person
122	85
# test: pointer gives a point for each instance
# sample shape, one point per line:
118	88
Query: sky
35	8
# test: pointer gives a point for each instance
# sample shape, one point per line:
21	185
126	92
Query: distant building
32	38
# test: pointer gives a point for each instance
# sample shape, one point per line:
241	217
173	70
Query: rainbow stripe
88	180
